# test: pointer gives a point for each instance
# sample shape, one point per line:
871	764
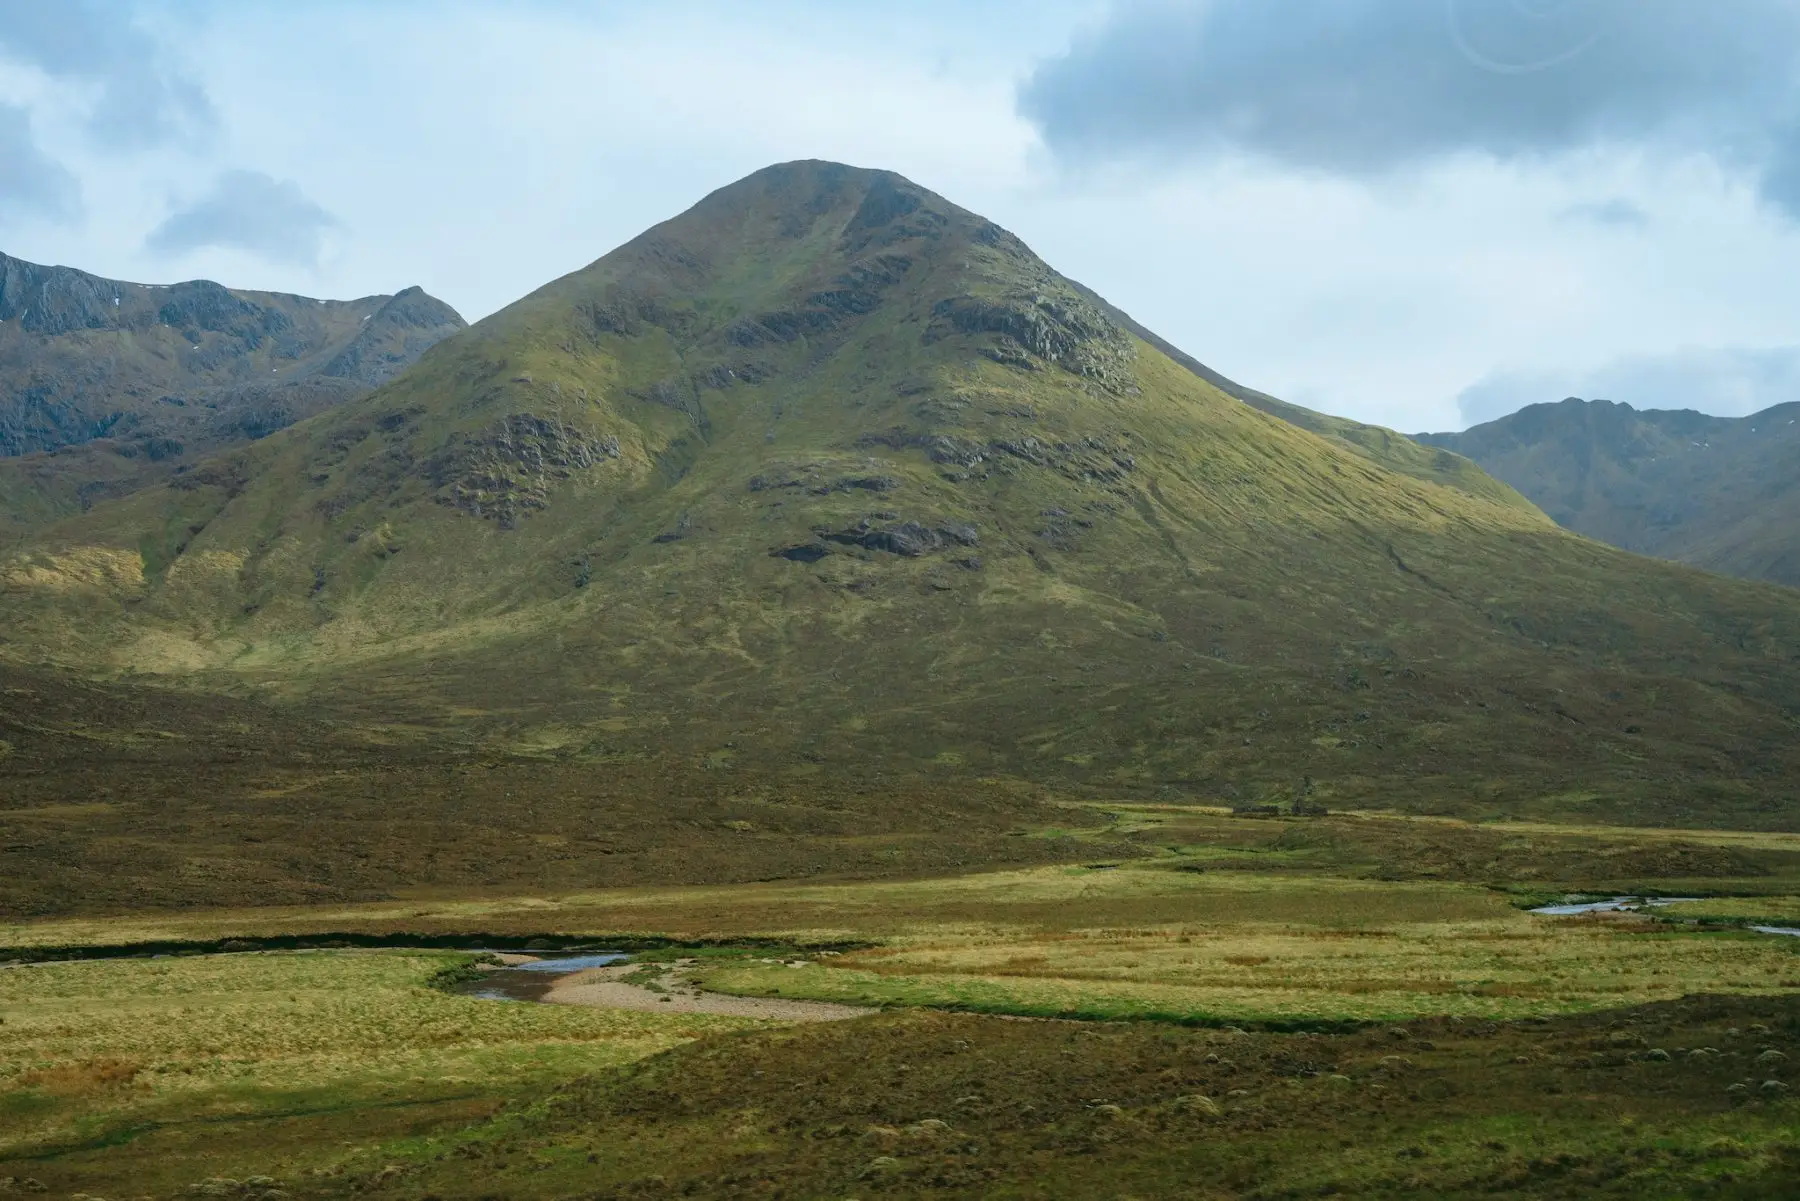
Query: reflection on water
530	981
558	965
1795	931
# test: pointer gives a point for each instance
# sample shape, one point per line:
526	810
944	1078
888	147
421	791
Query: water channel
530	980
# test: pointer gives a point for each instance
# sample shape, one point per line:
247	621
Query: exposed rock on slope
829	479
1718	492
106	386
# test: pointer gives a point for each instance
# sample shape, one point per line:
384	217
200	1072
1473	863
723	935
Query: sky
1418	213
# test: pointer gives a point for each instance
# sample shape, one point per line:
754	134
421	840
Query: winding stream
1617	904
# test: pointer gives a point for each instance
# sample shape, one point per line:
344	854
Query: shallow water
1617	903
530	981
1777	930
557	965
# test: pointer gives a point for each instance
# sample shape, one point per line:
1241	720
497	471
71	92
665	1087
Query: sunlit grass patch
1768	910
1288	949
106	1043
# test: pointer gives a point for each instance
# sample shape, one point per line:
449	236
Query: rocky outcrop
510	468
404	328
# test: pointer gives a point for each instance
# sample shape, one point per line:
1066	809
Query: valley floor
1355	1005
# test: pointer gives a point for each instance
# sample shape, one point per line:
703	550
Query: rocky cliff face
1718	492
124	382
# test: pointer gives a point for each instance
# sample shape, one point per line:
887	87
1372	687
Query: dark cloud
1365	87
1725	383
1615	212
31	184
140	99
247	210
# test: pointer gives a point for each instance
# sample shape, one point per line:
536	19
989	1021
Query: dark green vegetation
940	1105
829	489
1721	493
108	387
117	797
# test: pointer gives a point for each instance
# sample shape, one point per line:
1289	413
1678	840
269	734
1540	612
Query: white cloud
31	183
249	211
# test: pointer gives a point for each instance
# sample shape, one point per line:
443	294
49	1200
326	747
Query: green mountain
1721	493
106	387
829	480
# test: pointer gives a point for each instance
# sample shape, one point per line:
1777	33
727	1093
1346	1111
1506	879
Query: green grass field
1422	1036
170	1071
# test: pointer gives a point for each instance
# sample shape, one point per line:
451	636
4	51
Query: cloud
31	183
247	210
1617	212
1725	383
139	99
1363	88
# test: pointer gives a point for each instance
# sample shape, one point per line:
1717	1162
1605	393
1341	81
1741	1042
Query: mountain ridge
106	386
1721	493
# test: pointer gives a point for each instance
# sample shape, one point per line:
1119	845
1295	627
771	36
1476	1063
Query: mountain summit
829	473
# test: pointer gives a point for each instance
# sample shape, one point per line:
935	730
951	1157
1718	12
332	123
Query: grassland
1290	950
156	1074
1406	1036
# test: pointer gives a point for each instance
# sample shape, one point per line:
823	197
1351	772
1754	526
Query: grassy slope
1392	450
1718	492
1173	591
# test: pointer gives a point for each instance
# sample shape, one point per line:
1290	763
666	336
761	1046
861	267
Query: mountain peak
829	467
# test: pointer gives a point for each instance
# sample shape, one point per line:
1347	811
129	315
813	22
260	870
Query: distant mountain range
1721	493
108	386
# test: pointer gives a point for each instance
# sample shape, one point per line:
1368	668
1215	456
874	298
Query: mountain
107	386
829	482
1721	493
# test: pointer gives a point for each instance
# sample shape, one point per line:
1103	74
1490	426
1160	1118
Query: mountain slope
1392	450
106	386
1718	492
828	478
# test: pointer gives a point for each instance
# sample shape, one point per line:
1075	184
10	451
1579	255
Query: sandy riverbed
602	988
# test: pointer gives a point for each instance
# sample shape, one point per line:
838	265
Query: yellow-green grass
1138	814
1293	975
1057	898
1771	910
136	1060
177	1069
1138	940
